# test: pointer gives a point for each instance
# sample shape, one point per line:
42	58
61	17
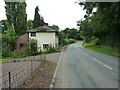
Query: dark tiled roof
42	29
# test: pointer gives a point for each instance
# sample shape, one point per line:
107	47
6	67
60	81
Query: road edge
52	85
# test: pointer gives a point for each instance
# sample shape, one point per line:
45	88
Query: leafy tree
17	17
55	27
72	33
8	41
38	20
29	24
3	26
61	38
102	24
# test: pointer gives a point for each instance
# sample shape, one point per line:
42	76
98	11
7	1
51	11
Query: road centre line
102	63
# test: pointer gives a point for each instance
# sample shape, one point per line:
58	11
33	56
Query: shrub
51	48
40	52
33	47
93	43
19	53
6	51
68	41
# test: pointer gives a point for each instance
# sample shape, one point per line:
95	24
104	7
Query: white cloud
63	13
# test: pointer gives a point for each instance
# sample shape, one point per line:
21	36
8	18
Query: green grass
103	49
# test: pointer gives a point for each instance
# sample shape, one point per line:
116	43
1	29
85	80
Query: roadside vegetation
100	28
103	49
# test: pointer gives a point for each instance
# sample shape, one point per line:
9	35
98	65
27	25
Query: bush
20	53
6	50
51	48
94	43
69	41
33	47
40	52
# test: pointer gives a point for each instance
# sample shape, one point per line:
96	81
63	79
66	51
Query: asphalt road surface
84	68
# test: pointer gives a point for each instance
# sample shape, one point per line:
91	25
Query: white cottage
44	36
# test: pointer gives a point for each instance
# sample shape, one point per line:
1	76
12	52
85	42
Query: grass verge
103	49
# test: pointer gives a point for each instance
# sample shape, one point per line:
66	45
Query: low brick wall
53	57
38	57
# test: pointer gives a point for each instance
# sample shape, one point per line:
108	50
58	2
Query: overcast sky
63	13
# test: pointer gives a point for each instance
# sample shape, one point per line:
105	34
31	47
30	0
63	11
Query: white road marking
102	63
53	80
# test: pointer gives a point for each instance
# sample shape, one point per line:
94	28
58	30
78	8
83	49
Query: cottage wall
21	41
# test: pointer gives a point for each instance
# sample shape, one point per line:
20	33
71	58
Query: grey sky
63	13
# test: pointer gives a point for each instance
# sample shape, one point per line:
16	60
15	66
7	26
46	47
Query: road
84	68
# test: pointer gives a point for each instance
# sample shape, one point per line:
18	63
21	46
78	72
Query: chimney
45	24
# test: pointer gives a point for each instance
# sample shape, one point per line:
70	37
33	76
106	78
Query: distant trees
38	19
16	16
102	25
72	33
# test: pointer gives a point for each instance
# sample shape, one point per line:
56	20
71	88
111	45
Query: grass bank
103	49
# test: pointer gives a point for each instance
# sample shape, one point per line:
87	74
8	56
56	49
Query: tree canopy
55	27
16	16
72	33
103	24
38	19
29	24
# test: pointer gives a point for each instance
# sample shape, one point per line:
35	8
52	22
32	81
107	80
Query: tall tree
103	24
17	17
38	20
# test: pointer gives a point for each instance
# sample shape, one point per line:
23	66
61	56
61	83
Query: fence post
31	69
9	80
45	57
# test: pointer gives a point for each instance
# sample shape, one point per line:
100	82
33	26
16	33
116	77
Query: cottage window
33	34
45	46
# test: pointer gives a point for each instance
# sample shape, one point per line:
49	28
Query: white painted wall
45	38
